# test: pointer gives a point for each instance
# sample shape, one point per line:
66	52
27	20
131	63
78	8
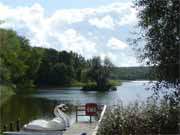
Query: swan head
62	107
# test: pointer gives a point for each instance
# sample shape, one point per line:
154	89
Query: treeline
132	73
60	68
19	62
23	67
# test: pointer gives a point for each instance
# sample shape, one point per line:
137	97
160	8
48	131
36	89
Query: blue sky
53	5
88	27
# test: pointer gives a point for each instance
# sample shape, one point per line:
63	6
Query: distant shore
76	84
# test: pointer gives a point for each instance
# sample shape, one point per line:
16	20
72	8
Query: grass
79	84
1	133
111	85
140	119
5	93
115	82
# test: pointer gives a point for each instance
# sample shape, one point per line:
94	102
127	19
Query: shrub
152	117
93	86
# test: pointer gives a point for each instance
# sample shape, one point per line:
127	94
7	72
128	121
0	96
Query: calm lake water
41	105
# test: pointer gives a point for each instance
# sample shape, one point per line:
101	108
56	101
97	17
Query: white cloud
129	18
85	31
105	22
116	44
73	41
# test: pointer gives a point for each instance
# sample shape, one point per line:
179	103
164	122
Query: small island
99	72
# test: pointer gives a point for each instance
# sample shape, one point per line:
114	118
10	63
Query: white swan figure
60	122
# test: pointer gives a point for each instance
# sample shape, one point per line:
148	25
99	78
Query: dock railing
82	108
101	117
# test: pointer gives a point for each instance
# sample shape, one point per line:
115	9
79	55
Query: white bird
60	122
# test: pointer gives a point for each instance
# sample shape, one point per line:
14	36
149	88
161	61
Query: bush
141	118
89	86
5	93
111	85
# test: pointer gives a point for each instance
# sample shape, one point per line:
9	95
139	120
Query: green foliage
1	133
115	82
76	83
159	22
5	90
60	74
5	93
132	73
18	61
24	67
90	87
60	68
99	72
141	119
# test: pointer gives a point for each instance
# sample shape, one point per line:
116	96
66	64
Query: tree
49	58
18	65
159	21
8	57
59	75
100	72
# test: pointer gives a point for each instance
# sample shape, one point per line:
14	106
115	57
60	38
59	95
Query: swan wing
36	125
57	124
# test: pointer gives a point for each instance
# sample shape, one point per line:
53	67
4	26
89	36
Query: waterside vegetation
151	117
160	33
25	68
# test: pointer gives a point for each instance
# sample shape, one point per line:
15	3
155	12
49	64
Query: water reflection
127	92
25	108
41	105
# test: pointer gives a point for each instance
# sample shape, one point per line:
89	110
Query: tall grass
152	117
5	93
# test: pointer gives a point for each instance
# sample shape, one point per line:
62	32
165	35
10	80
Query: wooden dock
88	128
81	127
78	128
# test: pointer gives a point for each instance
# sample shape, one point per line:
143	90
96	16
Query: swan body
60	122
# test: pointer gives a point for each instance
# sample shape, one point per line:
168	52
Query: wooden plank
99	122
85	127
82	127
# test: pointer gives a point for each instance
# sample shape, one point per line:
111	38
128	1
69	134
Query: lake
41	105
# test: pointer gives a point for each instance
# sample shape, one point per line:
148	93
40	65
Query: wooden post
4	128
11	126
76	114
55	103
90	119
18	125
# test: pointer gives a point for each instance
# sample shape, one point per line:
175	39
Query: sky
88	27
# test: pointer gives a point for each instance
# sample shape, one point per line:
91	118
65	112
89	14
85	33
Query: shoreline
75	85
78	87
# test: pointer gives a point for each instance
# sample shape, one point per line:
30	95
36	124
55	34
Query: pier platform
81	127
77	128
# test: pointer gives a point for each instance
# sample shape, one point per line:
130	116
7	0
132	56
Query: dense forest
24	67
131	73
